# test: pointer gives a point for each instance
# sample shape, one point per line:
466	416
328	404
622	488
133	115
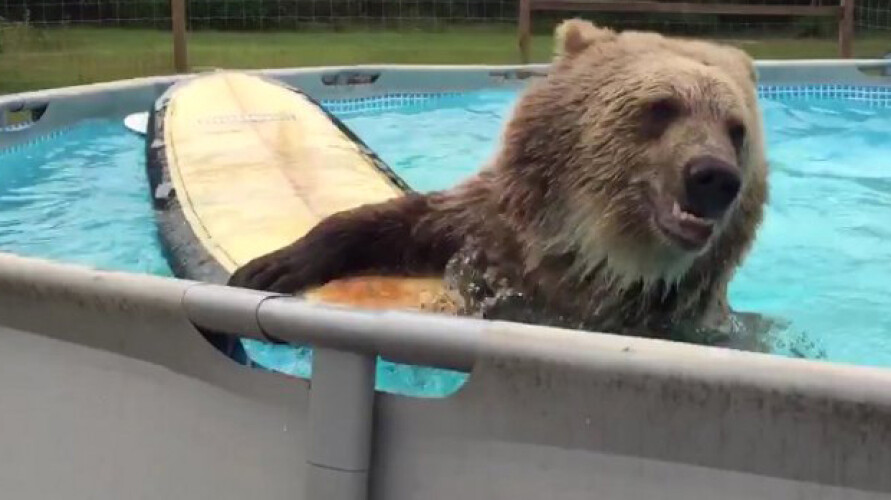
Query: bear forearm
398	236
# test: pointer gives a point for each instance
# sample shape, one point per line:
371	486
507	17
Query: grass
35	59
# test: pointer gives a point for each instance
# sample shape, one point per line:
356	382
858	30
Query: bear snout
711	185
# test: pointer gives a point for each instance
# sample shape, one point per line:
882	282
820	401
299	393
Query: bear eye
658	115
737	132
664	110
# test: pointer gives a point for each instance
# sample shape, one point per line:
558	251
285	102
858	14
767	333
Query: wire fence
47	43
873	15
273	15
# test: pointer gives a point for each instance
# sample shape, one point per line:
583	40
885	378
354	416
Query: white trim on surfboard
137	122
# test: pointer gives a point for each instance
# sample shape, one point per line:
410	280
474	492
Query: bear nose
712	185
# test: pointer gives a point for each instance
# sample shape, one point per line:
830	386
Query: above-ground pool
821	262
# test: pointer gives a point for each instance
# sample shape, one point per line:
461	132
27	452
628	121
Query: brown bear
628	187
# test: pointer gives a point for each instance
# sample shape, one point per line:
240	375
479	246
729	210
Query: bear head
639	154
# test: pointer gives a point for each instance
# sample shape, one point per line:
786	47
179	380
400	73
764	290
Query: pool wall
108	388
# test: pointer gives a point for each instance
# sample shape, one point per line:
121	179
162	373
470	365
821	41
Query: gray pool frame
107	389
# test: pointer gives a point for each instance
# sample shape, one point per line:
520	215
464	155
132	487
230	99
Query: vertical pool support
341	403
341	408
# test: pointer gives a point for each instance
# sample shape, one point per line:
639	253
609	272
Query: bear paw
270	273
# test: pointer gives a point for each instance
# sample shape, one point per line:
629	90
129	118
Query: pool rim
68	105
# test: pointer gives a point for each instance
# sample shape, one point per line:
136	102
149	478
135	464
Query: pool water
822	260
81	197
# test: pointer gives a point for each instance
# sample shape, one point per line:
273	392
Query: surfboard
240	165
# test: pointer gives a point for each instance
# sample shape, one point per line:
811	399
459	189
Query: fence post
846	29
178	21
524	29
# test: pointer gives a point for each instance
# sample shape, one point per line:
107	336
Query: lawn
35	59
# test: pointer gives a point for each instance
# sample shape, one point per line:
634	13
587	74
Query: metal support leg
340	425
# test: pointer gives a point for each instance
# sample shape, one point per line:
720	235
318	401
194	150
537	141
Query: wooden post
524	28
846	29
178	21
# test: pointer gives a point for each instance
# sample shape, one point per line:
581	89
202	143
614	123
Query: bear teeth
676	210
683	215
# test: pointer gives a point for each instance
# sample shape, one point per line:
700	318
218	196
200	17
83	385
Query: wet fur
553	231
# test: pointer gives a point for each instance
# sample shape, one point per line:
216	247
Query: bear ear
575	35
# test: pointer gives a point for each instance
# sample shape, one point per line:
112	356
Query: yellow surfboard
241	166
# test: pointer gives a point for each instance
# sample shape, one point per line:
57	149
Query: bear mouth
686	230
